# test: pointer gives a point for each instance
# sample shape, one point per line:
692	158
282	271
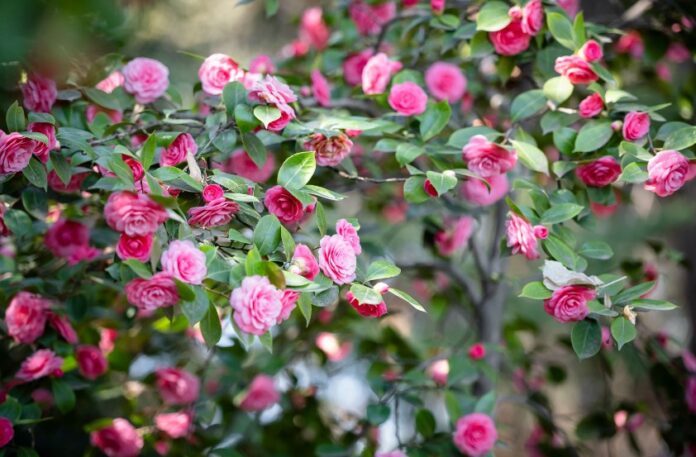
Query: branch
455	274
343	174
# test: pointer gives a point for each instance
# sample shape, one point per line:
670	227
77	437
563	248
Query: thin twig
343	174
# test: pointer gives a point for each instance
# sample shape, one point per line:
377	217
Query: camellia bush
185	272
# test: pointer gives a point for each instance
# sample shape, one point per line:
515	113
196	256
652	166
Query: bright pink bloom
477	193
147	79
73	186
330	151
521	237
261	394
65	236
591	106
257	305
445	81
350	234
337	259
281	203
569	303
475	434
678	53
437	6
600	172
115	116
591	51
288	301
6	431
16	151
321	89
241	164
369	19
313	29
120	439
63	326
691	394
212	192
477	351
133	214
271	91
631	43
455	236
177	386
636	125
371	310
91	362
159	291
40	364
111	82
25	317
438	371
430	189
541	232
177	151
606	338
42	150
39	93
408	98
136	247
571	7
667	173
511	40
487	158
175	425
262	64
107	339
303	262
353	66
184	261
532	17
577	70
216	71
377	73
214	213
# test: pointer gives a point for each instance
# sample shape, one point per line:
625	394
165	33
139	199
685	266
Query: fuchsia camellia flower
175	425
477	351
159	291
369	19
576	69
511	40
147	79
271	91
184	261
303	262
353	66
337	259
212	192
600	172
437	6
475	434
532	17
636	125
133	214
136	247
320	88
313	29
591	51
377	73
63	326
214	213
455	236
39	93
262	64
281	203
691	394
570	6
65	238
408	98
439	371
26	316
6	431
177	151
120	439
216	71
486	158
261	394
445	81
349	233
16	151
569	303
177	386
631	43
521	237
241	164
42	150
91	362
371	310
591	106
257	305
330	151
477	193
41	363
667	173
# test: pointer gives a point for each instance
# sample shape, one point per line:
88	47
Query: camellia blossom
408	98
636	125
591	106
521	237
159	291
476	351
241	164
304	263
111	82
591	51
369	19
216	71
353	66
6	431
631	43
667	172
476	192
330	151
569	303
437	6
455	236
42	150
212	192
439	371
262	64
320	88
486	158
26	316
576	69
66	236
271	91
257	305
285	206
511	40
337	259
532	17
175	425
260	395
571	7
371	310
214	213
133	214
138	247
184	261
445	81
349	233
39	93
475	434
15	152
41	363
600	172
63	326
120	439
91	361
147	79
330	345
313	29
177	386
377	73
176	152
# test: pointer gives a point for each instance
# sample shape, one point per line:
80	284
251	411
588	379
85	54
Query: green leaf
255	148
210	326
35	172
596	250
425	423
11	409
18	222
413	190
536	291
633	293
558	89
245	119
101	98
553	120
378	414
366	295
27	452
147	153
586	338
531	156
62	167
681	139
653	305
266	114
493	16
593	135
322	192
267	234
120	169
527	104
186	292
579	30
288	242
407	153
196	309
561	213
297	170
623	331
63	395
177	178
233	94
633	173
382	269
266	341
442	182
560	251
480	45
561	29
138	268
461	137
434	119
486	404
305	305
15	119
407	298
35	202
564	139
320	217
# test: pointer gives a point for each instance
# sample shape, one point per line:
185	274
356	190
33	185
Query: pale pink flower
349	233
576	69
477	193
218	70
304	263
408	99
147	79
313	29
521	237
487	158
214	213
321	89
175	425
177	151
184	261
330	151
133	214
26	316
445	81
159	291
455	236
337	259
111	82
39	93
16	151
377	73
177	386
257	305
41	363
353	66
120	439
636	125
667	173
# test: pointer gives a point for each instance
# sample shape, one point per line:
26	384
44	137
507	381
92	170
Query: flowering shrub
174	274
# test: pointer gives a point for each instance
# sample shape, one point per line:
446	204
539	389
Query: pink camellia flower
83	253
475	434
262	64
521	237
15	152
486	158
409	3
120	439
257	305
214	214
321	89
177	386
445	81
591	51
350	234
184	261
631	43
511	40
477	193
72	187
541	232
39	93
337	259
571	7
175	425
303	262
576	69
477	351
591	106
430	189
667	173
26	316
353	66
147	79
371	310
691	394
138	247
455	236
532	17
600	172
288	301
369	19
159	291
133	214
41	150
91	362
606	338
216	71
212	192
6	431
115	116
271	91
569	303
177	151
63	237
636	125
107	339
329	344
63	326
330	151
261	394
678	53
408	98
241	164
313	29
4	231
437	6
281	203
438	371
41	363
377	72
111	82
